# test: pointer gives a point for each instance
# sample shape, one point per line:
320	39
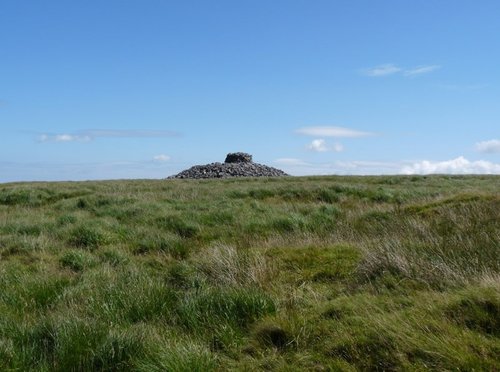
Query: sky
146	88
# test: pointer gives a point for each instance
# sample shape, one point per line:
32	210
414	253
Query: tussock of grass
226	266
178	356
457	245
312	273
216	307
478	310
89	237
77	260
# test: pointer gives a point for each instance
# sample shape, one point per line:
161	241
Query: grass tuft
77	260
88	237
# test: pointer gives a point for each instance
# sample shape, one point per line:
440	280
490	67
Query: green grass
311	273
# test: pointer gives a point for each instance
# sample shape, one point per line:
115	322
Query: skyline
145	90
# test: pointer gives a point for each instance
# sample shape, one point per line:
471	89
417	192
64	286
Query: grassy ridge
314	273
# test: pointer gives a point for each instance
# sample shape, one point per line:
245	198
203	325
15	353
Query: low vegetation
309	273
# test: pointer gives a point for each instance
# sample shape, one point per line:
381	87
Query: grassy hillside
313	273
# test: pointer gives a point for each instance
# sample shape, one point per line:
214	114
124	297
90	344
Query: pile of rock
238	164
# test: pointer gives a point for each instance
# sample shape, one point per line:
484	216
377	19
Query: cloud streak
420	70
161	158
382	70
388	69
489	147
330	131
64	138
92	134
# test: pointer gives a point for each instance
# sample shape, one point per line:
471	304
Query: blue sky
143	89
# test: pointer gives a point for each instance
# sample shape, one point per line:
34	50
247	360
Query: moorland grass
309	273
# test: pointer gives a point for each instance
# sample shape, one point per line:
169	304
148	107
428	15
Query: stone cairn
238	157
237	164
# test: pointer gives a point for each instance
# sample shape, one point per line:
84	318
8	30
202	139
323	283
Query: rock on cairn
237	164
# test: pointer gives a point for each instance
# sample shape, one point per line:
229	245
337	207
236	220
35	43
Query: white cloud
459	165
491	146
328	131
64	138
419	70
89	135
319	145
161	158
382	70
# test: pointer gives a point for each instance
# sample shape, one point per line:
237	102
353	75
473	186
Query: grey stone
238	157
236	165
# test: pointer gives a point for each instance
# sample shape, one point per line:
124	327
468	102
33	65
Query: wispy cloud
382	70
89	135
391	69
491	146
64	138
420	70
329	131
320	145
161	158
459	165
96	133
